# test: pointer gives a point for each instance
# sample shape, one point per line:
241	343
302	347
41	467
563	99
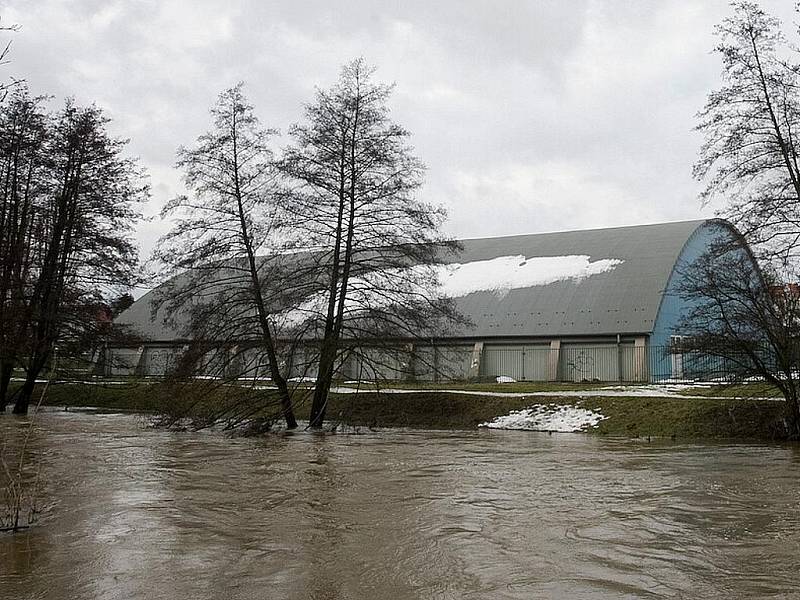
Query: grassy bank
513	387
430	409
631	416
132	396
689	417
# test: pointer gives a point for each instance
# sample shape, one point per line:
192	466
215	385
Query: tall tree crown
231	163
349	147
750	155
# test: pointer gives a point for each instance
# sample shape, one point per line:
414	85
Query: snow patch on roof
516	271
562	419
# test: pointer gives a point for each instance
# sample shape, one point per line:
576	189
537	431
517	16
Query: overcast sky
531	116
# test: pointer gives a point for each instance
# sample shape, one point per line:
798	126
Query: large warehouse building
596	305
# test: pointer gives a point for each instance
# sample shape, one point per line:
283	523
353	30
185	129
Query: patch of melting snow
561	419
517	271
505	379
499	275
654	389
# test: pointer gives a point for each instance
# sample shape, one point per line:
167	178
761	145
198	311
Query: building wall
518	361
443	362
666	363
577	361
122	361
527	360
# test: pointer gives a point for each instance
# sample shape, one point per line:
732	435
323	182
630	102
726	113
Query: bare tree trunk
25	394
792	416
6	369
328	350
283	389
37	363
266	334
322	387
333	324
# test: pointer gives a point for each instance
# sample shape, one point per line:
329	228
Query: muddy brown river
134	512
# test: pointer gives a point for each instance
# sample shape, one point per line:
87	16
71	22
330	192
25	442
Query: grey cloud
531	116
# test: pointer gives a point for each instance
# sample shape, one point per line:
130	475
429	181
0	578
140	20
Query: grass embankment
133	396
635	416
689	417
735	390
513	388
631	416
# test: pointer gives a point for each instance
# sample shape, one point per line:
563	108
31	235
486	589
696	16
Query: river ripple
132	512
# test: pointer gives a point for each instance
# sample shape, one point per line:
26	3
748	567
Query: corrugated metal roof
623	300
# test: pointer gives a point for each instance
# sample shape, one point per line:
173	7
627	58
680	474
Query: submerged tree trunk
25	394
286	404
319	402
6	369
255	280
792	417
283	390
37	364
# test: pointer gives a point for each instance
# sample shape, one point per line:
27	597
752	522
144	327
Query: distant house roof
575	283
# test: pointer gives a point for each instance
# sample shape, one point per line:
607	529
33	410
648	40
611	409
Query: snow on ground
648	391
505	379
552	417
644	391
651	389
102	382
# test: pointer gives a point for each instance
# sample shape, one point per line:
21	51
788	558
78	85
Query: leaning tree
376	245
223	254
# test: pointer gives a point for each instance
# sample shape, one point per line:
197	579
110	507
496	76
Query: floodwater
133	512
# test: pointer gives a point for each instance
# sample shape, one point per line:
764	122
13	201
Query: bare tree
746	318
744	314
751	123
23	134
376	246
226	293
5	50
83	239
66	221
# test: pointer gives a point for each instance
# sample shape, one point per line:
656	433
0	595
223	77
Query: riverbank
622	416
634	415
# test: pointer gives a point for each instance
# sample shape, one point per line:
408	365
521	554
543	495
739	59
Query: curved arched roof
623	299
575	283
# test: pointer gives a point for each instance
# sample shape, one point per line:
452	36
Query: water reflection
136	512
